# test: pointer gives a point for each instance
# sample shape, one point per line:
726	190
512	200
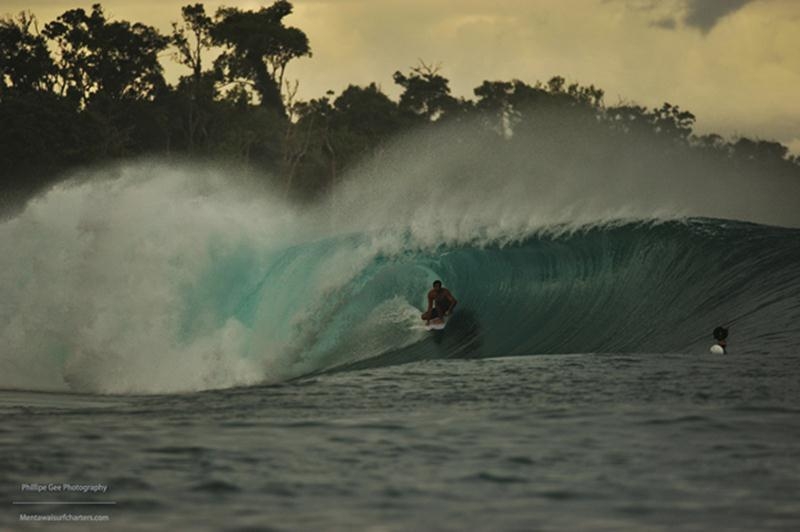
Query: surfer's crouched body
440	303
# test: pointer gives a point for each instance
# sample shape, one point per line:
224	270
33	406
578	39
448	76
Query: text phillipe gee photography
63	487
46	494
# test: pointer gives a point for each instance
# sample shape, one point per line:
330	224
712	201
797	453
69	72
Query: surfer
721	336
440	303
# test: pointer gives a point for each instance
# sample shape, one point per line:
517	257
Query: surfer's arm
430	302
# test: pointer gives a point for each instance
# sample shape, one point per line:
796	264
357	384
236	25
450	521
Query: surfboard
436	325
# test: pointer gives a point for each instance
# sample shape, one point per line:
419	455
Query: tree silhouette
117	59
671	122
760	150
426	94
309	155
191	39
102	95
258	48
25	62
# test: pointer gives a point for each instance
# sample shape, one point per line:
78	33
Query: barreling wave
638	287
168	279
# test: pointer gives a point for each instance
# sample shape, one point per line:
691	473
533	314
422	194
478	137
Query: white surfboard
436	325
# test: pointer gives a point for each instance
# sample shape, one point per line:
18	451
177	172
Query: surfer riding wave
440	303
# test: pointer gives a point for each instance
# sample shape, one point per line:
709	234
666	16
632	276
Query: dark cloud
704	14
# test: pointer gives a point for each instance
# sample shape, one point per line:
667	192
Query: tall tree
191	39
368	113
258	48
25	62
763	151
364	121
308	151
627	118
116	58
672	123
494	105
426	93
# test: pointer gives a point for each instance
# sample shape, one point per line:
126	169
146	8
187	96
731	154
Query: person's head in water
437	284
721	336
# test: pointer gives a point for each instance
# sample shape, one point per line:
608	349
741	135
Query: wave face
634	287
163	279
171	306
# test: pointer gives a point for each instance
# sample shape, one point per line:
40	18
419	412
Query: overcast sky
733	63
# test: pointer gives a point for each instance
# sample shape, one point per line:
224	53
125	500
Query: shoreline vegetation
83	90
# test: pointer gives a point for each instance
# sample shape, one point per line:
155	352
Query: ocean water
183	349
548	442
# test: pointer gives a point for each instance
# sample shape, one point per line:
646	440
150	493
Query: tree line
84	89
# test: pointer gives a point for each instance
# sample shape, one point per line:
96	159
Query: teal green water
244	314
629	288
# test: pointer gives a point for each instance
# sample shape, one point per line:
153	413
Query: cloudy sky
734	63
